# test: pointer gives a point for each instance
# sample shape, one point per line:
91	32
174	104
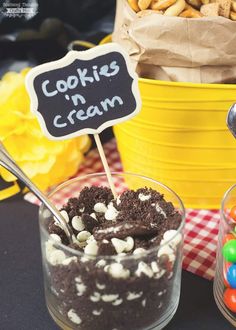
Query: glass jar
83	292
225	275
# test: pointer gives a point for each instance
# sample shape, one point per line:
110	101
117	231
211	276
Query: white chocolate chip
129	243
111	213
78	279
119	245
117	270
101	263
97	312
139	251
143	268
117	302
91	239
56	257
83	236
109	297
143	197
169	236
160	210
118	201
134	295
166	250
77	242
55	238
155	267
106	268
77	223
81	288
93	215
144	302
95	297
49	248
100	286
105	241
100	208
82	209
91	248
67	261
74	317
65	215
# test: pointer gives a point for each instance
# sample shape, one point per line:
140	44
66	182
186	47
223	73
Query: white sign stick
105	164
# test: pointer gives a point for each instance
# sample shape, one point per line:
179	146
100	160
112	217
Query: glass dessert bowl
123	269
224	288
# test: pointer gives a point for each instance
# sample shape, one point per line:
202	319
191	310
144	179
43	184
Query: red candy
230	299
233	213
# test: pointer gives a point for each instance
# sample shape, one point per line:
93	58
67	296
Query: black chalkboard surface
84	92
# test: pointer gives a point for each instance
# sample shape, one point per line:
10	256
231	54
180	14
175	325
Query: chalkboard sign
84	92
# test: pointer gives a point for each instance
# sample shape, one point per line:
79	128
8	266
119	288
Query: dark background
46	36
29	42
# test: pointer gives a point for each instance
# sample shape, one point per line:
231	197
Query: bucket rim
187	84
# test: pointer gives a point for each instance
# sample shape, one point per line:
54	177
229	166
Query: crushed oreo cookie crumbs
133	292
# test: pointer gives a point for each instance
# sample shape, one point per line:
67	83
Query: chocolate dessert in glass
123	269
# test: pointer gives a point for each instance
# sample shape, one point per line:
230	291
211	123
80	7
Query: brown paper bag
201	50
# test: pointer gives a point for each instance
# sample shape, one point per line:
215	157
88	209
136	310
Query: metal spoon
231	120
8	163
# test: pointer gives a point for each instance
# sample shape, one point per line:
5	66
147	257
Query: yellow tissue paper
46	162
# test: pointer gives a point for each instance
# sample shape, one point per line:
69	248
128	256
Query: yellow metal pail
180	138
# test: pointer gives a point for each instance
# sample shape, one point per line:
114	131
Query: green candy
229	251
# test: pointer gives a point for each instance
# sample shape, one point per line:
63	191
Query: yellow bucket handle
88	44
82	43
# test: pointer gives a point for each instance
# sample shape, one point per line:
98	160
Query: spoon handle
231	120
8	163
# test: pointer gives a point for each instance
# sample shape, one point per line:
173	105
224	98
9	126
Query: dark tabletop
22	305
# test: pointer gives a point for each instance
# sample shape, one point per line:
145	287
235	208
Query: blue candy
231	276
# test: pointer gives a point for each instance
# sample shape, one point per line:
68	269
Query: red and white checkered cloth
201	228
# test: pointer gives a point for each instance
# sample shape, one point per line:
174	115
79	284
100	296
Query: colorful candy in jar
230	299
229	265
229	251
231	276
